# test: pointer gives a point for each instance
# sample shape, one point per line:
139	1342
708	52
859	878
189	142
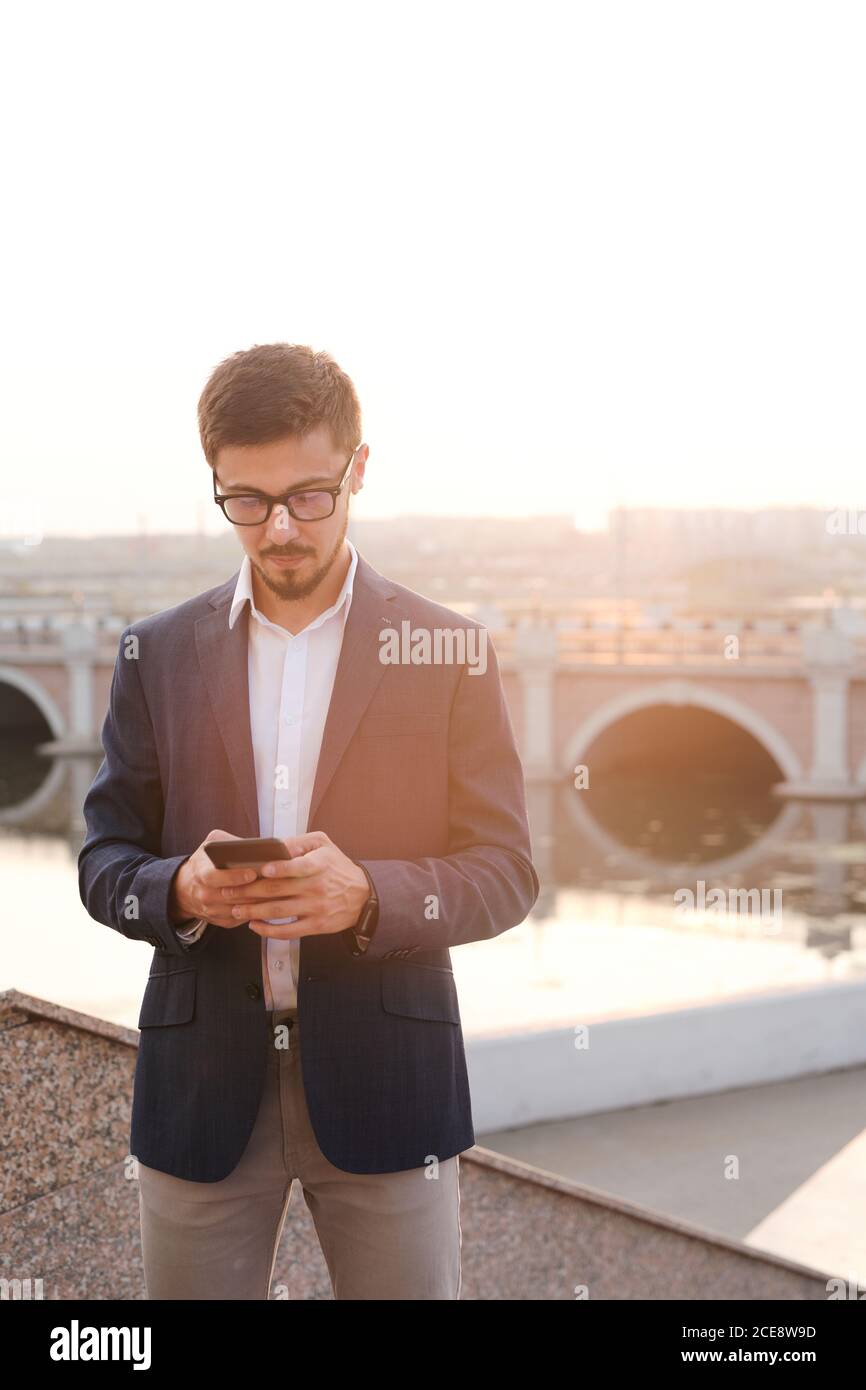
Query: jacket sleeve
486	882
123	880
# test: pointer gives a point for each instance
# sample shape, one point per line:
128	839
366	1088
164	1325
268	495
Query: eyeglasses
254	508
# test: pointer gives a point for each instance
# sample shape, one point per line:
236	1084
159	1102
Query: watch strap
368	920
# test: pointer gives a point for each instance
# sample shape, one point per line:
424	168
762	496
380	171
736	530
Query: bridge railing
674	644
44	633
594	642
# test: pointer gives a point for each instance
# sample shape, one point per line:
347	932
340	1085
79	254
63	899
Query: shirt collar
244	592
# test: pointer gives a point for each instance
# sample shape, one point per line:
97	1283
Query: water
607	937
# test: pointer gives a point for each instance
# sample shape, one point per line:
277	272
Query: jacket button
253	990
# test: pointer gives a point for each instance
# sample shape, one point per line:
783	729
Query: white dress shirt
291	677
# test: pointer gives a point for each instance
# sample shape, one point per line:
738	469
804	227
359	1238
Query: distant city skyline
746	559
746	527
23	513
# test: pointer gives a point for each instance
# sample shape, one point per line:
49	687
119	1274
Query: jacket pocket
168	998
423	965
420	991
392	725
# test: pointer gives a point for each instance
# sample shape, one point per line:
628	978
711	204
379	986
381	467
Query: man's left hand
319	885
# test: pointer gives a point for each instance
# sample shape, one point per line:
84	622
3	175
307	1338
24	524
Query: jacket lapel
359	672
222	656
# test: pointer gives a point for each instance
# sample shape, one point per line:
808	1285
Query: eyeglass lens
305	506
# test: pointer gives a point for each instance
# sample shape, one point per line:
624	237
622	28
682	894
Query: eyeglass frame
220	498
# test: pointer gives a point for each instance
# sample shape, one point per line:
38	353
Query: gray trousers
383	1235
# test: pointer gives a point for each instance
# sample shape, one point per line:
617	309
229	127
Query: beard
289	585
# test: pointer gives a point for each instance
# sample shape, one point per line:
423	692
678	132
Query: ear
358	470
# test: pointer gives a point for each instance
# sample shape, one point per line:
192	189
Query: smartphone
244	854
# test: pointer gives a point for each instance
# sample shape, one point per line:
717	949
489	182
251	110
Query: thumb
302	844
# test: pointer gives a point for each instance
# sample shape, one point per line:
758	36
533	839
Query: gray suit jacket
418	780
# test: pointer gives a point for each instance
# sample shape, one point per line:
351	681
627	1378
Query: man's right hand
196	889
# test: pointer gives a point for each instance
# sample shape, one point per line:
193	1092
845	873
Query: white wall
530	1077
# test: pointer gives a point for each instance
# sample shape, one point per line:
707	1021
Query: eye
245	507
310	506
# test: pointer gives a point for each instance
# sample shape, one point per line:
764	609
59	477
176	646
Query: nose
282	528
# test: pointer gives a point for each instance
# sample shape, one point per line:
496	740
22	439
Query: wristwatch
366	924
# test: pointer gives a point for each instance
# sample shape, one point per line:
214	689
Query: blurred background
597	273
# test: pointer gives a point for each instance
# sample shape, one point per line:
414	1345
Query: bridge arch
683	692
12	675
41	797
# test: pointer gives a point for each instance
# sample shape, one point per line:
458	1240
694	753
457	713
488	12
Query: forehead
289	462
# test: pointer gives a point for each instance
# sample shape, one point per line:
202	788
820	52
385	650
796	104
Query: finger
275	907
227	878
275	887
219	914
311	839
220	835
310	862
286	931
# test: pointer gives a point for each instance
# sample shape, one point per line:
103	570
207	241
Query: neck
295	613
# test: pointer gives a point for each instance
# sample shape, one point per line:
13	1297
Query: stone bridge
798	689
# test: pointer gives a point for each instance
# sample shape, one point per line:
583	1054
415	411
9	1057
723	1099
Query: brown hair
274	390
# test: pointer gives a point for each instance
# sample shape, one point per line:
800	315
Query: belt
287	1016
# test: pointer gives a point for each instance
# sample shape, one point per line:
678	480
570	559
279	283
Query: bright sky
571	254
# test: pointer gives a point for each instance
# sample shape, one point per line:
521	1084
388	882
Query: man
282	704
